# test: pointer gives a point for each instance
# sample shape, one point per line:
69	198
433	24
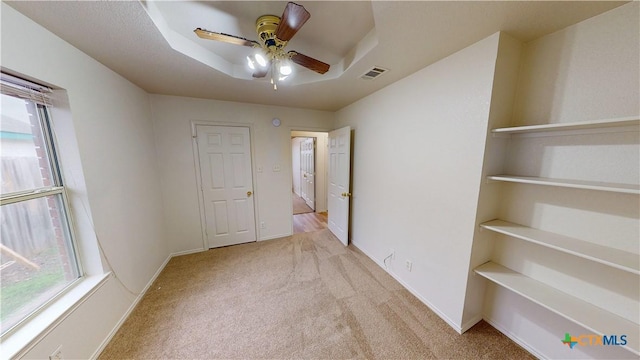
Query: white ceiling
352	36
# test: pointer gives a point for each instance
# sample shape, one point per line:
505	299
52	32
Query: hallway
299	205
304	218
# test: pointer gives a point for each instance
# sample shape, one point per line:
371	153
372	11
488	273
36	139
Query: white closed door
307	156
226	181
339	176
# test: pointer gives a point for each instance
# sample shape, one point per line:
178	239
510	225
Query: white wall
117	185
418	148
584	72
172	118
587	71
502	98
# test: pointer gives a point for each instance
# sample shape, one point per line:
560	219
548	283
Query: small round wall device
275	122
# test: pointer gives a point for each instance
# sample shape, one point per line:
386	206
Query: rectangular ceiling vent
374	73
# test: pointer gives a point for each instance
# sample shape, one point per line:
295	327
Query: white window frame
42	105
29	335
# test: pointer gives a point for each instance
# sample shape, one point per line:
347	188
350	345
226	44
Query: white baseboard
433	308
514	338
124	317
187	252
469	324
274	237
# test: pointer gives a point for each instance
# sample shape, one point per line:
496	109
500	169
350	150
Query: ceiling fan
273	32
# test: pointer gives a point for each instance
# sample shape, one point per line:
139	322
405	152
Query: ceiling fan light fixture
285	69
251	63
260	59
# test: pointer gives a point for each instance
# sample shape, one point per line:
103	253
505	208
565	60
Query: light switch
259	169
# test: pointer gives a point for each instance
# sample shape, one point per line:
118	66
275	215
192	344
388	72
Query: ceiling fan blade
260	72
231	39
309	62
293	17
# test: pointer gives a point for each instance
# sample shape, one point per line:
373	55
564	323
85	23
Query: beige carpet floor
299	205
300	297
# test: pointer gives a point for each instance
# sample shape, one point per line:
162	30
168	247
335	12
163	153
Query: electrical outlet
409	265
263	225
276	168
57	354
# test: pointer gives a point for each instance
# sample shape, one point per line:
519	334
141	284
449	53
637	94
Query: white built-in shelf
593	124
576	184
589	316
602	254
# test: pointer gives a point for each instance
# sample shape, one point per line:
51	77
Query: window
38	260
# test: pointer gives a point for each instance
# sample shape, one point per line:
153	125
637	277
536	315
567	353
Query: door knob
249	193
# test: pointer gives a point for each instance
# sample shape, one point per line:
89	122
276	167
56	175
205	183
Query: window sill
26	335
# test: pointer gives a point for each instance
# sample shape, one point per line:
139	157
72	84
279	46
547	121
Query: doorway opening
309	182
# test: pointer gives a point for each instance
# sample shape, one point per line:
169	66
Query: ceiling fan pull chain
274	79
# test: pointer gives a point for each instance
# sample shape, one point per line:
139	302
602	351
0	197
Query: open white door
308	162
339	173
226	184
